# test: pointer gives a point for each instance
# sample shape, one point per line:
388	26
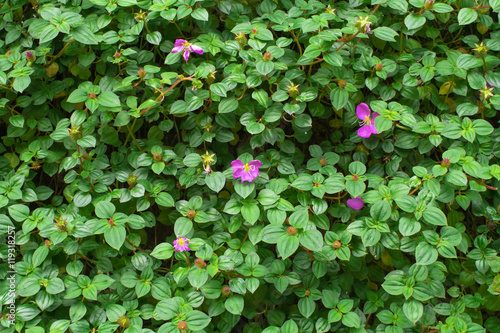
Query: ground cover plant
249	166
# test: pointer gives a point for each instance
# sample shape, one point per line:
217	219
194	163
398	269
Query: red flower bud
337	244
355	177
157	157
308	293
379	66
182	326
191	214
267	56
342	84
226	291
111	222
322	161
199	263
446	163
30	57
142	73
92	95
291	231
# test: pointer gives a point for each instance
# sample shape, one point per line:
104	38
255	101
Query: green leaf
200	14
385	33
425	254
413	310
381	211
104	209
306	306
287	245
434	216
413	21
215	181
115	236
108	99
84	35
234	304
466	16
163	251
312	239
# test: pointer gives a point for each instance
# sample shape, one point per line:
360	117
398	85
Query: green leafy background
109	139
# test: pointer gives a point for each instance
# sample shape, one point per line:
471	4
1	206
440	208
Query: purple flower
184	45
367	124
181	244
248	172
356	203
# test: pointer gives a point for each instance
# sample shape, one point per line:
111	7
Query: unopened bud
355	177
226	291
30	56
254	31
342	84
92	95
322	161
293	90
157	157
124	321
308	293
191	214
379	66
267	56
111	222
118	55
337	244
445	163
241	39
291	231
132	180
142	73
182	326
8	53
199	263
47	243
429	4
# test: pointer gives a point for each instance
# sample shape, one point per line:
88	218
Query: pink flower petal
373	128
196	49
179	42
362	111
256	163
177	49
237	164
356	203
237	173
246	176
365	131
186	55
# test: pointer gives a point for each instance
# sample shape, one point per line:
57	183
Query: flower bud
182	326
293	90
8	53
226	291
92	95
132	180
111	222
191	214
486	93
30	56
337	244
445	163
254	31
379	66
157	157
355	177
142	73
118	55
47	243
124	321
308	293
322	161
342	84
199	263
429	4
267	56
241	39
291	231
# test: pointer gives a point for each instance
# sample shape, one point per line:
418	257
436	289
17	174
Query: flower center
181	241
247	167
366	122
185	44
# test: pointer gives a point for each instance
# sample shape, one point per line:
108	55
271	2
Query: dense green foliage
113	146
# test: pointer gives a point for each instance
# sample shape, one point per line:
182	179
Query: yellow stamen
185	44
181	241
247	167
367	120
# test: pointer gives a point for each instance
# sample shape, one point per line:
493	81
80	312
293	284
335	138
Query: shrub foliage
113	147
